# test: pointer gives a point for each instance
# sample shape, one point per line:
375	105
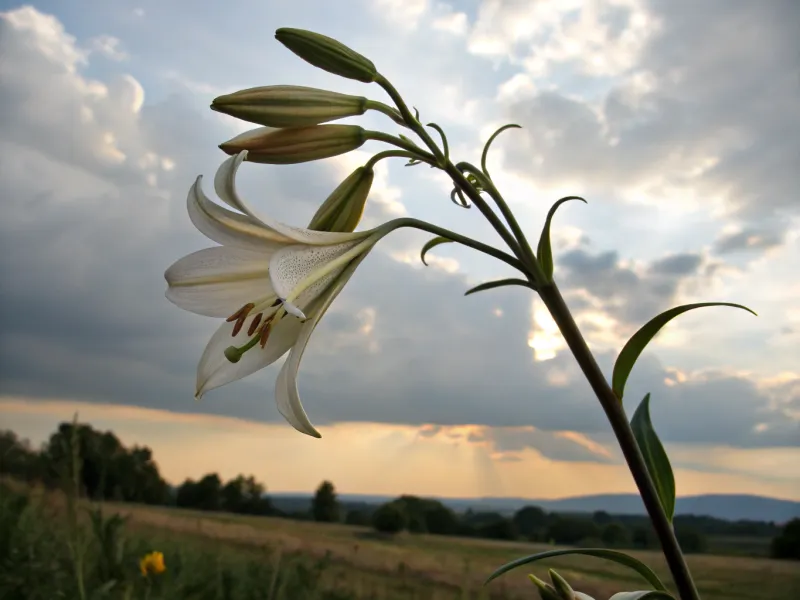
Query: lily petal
287	396
225	186
227	227
215	370
215	282
292	264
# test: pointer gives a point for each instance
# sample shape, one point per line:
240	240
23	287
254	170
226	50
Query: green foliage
35	563
531	522
571	530
612	555
430	244
655	457
787	544
498	283
615	535
390	518
690	540
639	340
544	252
325	505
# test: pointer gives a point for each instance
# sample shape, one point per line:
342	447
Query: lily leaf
490	285
655	457
627	358
544	251
612	555
432	244
646	595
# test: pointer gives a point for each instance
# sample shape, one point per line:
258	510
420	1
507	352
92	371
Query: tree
643	536
325	506
530	521
390	518
245	495
615	535
601	517
786	545
571	530
691	541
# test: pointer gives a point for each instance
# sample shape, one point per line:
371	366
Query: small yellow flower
152	563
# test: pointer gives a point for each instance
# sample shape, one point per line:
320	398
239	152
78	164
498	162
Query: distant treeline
111	471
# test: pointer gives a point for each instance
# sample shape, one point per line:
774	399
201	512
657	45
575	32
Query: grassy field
346	562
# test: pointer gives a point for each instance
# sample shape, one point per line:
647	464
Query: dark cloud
619	291
750	239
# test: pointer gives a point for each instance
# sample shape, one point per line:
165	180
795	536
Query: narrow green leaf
544	251
485	152
646	595
490	285
432	244
655	457
612	555
627	358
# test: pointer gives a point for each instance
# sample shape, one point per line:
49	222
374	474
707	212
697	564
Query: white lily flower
272	281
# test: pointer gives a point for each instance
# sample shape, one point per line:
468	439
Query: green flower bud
562	587
327	54
296	144
546	591
342	210
289	105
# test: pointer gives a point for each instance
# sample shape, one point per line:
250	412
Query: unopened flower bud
327	54
342	210
561	586
289	105
546	591
296	144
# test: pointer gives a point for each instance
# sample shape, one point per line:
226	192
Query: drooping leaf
655	457
646	595
490	285
544	251
631	351
485	153
612	555
432	244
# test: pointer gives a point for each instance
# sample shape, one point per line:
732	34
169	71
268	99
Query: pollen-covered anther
240	316
254	325
264	334
241	313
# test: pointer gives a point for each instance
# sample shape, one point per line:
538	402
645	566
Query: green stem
409	146
456	175
460	239
395	154
554	302
390	112
488	185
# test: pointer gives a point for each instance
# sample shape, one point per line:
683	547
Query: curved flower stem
386	110
459	239
449	167
552	298
405	144
396	154
488	185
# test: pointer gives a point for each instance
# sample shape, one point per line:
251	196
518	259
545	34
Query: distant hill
730	507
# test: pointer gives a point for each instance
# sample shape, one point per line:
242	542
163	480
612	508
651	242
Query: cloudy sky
678	121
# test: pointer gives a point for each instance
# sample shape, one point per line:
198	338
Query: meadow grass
224	556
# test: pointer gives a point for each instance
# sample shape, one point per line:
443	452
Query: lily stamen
264	334
241	313
254	325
